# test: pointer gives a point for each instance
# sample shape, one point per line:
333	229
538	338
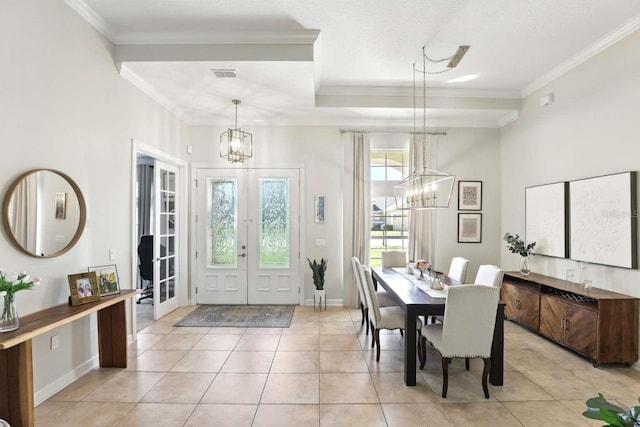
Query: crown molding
510	117
408	91
287	37
152	92
615	36
95	20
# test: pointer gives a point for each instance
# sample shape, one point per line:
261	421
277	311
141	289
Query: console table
599	324
16	360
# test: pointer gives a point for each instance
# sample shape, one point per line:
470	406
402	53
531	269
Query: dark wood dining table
415	302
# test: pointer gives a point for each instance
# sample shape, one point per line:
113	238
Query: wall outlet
321	242
55	342
112	254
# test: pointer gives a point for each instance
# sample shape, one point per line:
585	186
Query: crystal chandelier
426	188
236	145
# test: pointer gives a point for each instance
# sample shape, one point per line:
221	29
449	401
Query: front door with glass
248	236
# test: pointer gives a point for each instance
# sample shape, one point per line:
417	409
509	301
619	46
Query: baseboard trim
330	302
51	389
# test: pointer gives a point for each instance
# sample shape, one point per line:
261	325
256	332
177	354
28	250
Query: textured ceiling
358	69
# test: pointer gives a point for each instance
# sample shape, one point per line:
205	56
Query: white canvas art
603	217
546	219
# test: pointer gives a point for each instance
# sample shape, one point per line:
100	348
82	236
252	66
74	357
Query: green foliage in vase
9	285
599	408
517	246
318	269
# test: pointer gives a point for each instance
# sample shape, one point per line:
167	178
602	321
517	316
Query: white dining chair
489	275
457	337
458	269
381	317
384	299
394	259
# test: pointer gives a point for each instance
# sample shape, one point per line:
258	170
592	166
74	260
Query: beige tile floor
322	372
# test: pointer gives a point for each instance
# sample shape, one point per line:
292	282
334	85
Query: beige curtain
361	203
22	213
421	222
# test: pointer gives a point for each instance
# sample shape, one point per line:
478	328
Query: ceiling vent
222	73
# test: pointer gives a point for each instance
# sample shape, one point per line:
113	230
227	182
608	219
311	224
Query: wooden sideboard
599	324
16	360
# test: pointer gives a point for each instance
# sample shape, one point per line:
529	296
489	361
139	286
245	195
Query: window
389	225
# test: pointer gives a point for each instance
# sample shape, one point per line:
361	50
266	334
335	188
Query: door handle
242	255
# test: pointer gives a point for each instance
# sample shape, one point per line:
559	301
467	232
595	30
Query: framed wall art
107	277
61	205
547	218
603	220
470	195
83	288
469	228
319	205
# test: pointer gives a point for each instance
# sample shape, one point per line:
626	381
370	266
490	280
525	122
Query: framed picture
61	205
84	288
469	228
470	195
107	277
319	208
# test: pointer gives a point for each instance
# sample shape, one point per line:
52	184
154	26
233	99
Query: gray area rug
253	316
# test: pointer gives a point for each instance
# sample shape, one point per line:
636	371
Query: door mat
252	316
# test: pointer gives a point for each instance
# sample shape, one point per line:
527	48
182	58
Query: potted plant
599	408
517	246
318	269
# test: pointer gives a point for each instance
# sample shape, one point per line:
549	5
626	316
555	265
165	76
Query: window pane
222	222
389	225
274	223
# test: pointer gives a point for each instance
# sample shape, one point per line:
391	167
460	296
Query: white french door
165	298
248	236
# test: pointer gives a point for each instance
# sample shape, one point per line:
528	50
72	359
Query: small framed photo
61	205
319	208
469	228
107	277
470	195
84	288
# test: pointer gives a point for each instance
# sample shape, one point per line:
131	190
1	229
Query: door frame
192	220
182	243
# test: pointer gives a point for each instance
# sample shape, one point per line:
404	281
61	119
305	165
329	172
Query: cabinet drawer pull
566	324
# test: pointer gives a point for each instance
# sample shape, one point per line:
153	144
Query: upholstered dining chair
458	269
457	336
394	259
489	275
381	317
384	299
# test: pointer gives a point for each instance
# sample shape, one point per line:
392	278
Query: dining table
416	298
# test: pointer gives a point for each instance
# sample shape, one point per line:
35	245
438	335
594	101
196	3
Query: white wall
590	130
64	106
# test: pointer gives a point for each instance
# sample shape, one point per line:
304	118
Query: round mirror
44	213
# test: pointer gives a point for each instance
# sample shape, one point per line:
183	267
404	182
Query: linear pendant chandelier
236	145
426	188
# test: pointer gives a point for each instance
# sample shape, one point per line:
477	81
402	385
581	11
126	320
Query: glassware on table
571	276
588	284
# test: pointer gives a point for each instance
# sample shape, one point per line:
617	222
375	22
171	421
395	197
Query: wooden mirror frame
81	220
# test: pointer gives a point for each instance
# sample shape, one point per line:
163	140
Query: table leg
410	346
497	349
112	336
16	385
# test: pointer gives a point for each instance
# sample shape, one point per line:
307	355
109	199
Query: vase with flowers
517	246
422	267
9	285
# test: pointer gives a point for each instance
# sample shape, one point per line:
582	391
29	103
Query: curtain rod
393	131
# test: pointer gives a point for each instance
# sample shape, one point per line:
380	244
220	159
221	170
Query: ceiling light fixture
426	188
236	145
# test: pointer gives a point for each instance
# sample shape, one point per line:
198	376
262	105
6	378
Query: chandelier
236	145
426	188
